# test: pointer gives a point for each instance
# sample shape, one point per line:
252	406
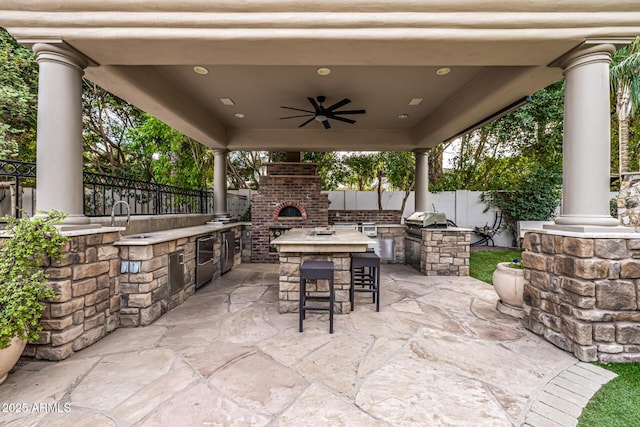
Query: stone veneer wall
289	294
87	280
355	216
583	294
445	252
287	182
145	296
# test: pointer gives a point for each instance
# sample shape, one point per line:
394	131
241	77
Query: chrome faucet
113	212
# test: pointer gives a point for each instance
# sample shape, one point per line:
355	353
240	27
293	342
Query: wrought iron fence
144	198
101	192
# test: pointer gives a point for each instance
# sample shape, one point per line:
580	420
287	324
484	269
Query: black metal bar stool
365	276
316	270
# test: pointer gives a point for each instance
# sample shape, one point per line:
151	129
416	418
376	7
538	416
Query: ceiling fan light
321	118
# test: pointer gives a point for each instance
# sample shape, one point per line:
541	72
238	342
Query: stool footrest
317	308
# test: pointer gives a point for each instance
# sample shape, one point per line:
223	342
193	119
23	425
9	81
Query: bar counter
320	244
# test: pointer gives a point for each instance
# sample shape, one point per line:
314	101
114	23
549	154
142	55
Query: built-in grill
419	220
413	240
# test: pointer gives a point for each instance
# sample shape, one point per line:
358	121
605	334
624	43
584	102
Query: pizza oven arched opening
289	212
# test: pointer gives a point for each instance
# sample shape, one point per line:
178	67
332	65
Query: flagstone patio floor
437	354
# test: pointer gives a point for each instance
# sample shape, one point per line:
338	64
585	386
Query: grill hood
427	219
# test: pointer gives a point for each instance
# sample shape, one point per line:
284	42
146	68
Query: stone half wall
583	294
87	280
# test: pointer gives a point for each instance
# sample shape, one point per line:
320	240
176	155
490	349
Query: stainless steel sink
144	236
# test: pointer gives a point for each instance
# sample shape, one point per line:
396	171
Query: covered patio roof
265	54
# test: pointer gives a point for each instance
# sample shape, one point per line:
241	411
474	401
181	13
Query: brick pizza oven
288	197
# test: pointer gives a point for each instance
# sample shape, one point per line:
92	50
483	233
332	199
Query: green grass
483	263
617	403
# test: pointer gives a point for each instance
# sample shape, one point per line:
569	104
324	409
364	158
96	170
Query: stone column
586	149
421	188
59	158
220	184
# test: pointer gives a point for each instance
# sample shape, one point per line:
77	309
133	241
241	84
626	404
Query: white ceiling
264	55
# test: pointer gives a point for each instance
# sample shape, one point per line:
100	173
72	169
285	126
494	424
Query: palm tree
625	83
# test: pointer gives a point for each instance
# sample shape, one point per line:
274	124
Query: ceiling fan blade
293	117
311	119
314	104
298	109
326	124
339	104
342	119
350	112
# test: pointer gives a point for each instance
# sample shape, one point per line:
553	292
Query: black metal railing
144	198
101	192
17	171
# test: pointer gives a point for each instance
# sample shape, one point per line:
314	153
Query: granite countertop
314	240
151	238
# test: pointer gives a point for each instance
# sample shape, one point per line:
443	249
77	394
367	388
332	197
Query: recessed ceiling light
403	116
443	71
415	101
200	70
324	71
239	115
227	101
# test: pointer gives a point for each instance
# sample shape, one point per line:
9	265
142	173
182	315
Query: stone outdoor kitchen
106	281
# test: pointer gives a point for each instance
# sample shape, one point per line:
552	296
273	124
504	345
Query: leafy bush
534	198
23	282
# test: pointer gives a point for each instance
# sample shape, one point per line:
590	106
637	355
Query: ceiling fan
322	114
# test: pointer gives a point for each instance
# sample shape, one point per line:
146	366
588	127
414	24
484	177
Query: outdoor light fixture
443	71
227	101
324	71
200	70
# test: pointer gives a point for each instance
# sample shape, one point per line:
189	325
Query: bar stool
316	270
365	276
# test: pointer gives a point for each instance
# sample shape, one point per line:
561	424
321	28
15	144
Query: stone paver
562	399
438	353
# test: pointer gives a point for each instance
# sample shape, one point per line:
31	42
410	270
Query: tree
362	169
400	172
107	122
159	153
332	170
490	157
18	100
625	84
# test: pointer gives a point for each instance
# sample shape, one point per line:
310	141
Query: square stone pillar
582	293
